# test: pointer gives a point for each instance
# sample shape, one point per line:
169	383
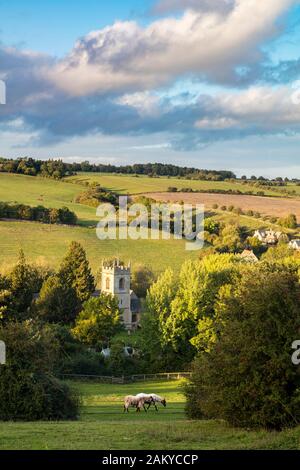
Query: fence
129	378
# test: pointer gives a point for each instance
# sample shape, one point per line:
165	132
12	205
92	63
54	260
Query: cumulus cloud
125	57
110	81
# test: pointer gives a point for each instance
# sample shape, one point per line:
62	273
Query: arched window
107	283
122	283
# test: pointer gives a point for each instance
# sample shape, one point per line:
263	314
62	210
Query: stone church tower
116	281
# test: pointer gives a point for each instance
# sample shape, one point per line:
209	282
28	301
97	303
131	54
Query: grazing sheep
150	399
137	402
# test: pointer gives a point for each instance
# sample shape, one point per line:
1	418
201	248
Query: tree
98	321
230	239
57	302
142	279
75	272
161	294
24	281
289	222
193	308
28	389
247	377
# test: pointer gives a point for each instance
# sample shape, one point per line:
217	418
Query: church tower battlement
116	281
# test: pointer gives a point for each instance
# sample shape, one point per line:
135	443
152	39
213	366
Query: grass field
48	244
35	191
103	425
126	184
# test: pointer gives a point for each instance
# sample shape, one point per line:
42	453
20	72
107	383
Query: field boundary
128	378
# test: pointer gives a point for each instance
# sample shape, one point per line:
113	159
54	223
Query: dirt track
278	207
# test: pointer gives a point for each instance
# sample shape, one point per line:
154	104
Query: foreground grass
103	425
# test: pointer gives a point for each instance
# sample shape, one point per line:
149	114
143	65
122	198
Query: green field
103	425
125	184
35	191
47	244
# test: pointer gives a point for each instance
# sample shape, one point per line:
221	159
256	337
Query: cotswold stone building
116	281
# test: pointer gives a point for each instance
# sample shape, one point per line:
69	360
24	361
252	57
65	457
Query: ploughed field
103	425
278	207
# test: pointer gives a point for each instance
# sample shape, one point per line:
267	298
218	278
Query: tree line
38	213
58	169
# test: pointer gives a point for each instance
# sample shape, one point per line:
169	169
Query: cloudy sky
206	83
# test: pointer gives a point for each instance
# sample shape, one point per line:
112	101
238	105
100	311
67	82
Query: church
115	280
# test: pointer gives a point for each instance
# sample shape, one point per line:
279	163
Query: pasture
47	244
35	191
104	426
131	184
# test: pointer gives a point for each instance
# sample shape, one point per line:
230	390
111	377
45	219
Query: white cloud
125	57
146	103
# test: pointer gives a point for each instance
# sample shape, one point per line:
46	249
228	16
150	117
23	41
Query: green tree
28	389
247	377
230	240
289	222
57	302
75	272
24	281
98	321
142	279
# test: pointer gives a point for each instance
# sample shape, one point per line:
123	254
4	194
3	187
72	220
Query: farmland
278	207
127	184
103	425
47	244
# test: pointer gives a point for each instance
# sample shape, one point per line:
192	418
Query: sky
206	83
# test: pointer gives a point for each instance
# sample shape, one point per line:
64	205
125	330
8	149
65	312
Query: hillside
48	244
125	184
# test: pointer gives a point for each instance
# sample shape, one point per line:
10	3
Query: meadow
47	245
104	426
130	184
35	191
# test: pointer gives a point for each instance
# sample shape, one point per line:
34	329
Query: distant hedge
38	214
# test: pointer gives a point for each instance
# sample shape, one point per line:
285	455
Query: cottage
295	244
268	237
249	256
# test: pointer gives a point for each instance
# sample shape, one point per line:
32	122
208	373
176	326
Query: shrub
172	189
289	222
28	389
29	397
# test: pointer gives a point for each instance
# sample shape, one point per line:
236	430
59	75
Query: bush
31	397
84	363
28	389
248	378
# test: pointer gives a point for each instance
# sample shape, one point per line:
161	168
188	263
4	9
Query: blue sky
206	83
